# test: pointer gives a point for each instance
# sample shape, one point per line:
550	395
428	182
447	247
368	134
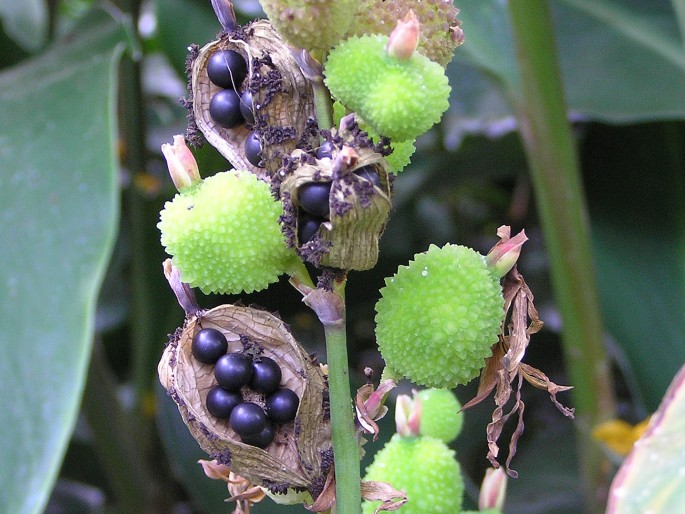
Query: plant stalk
117	442
345	445
561	203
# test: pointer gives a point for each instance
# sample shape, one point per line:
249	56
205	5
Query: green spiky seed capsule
311	24
400	99
440	29
401	150
223	234
445	307
440	414
425	468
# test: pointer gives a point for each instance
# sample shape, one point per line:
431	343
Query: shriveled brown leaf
391	499
506	365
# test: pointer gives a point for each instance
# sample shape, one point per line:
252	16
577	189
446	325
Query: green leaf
26	22
651	479
636	193
604	46
58	191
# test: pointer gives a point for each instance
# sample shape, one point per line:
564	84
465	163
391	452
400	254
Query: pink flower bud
181	163
493	490
502	257
408	415
405	37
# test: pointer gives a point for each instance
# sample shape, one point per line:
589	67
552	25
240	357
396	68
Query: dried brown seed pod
282	98
358	208
300	455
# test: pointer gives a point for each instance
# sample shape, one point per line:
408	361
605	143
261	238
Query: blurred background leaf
58	189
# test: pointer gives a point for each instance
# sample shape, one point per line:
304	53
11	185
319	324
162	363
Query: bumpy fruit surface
311	24
400	99
425	468
440	29
439	316
440	414
224	235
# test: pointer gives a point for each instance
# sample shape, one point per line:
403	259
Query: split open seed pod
358	204
300	455
282	97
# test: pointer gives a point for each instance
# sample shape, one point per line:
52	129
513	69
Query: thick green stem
345	445
563	212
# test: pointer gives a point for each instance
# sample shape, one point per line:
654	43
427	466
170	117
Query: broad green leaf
59	198
636	193
26	22
621	60
651	478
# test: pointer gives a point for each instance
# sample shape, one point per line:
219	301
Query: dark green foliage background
69	177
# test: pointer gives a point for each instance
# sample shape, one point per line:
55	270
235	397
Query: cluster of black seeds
314	197
237	373
229	109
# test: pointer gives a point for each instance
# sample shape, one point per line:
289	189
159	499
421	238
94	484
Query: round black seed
325	150
246	106
262	439
369	173
281	405
313	198
233	371
227	69
220	402
224	108
253	149
266	375
306	227
208	345
248	419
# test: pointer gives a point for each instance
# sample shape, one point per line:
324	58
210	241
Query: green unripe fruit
223	234
425	468
440	414
311	24
439	317
440	30
400	99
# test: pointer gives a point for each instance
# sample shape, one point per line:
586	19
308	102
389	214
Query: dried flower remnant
506	366
242	491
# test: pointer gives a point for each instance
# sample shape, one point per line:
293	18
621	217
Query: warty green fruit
425	468
223	234
441	416
315	25
439	317
399	99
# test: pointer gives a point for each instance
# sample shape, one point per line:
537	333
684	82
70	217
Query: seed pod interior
282	97
296	457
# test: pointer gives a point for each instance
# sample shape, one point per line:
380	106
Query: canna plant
312	185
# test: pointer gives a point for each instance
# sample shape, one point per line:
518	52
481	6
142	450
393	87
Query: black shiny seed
220	402
208	345
253	149
233	371
281	405
370	174
306	227
224	108
266	375
227	69
246	107
313	198
325	150
262	439
248	419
